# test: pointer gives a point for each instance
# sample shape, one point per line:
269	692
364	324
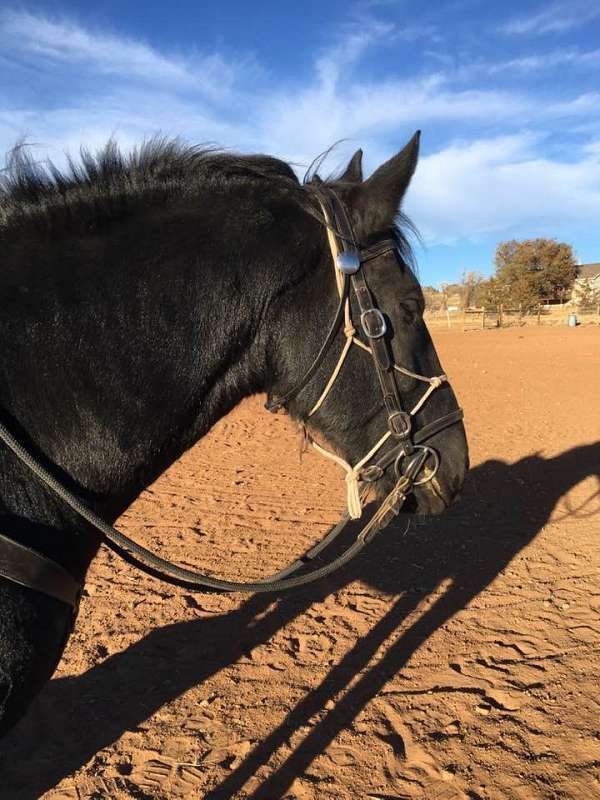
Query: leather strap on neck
21	565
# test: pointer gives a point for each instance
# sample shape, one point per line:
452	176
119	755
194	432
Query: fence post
520	314
598	311
539	314
464	319
483	319
500	315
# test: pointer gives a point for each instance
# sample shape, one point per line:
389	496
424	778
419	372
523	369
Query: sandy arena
458	659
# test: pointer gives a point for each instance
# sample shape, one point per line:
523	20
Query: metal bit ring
431	452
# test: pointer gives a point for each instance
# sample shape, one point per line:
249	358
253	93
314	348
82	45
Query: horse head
401	392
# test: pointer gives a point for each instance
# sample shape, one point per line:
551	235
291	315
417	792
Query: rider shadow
75	717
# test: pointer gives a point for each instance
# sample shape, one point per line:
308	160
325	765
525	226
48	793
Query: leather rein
409	454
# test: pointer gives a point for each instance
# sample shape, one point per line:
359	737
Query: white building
587	284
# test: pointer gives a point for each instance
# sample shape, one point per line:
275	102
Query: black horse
143	298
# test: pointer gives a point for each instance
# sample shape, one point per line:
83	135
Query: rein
25	567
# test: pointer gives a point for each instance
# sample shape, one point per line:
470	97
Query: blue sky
507	96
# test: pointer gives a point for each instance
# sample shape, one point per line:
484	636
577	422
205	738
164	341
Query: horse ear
385	188
353	172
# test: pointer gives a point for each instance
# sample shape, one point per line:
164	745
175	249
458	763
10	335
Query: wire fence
505	316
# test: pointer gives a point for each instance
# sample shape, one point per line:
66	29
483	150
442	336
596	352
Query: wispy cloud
65	42
496	179
471	70
546	61
374	111
472	189
347	51
313	117
199	96
556	18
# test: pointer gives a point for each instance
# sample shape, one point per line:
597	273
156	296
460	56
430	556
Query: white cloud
547	60
348	50
467	70
200	98
556	18
495	184
313	118
183	96
593	149
65	42
586	104
472	189
129	115
310	119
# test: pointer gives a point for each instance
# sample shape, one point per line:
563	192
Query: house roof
588	271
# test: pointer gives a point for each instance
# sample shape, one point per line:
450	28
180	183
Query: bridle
409	454
349	262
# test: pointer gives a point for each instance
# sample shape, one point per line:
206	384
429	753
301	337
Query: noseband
408	454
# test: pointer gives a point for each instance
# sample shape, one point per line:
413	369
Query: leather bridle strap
344	234
373	471
280	402
381	248
28	568
159	567
398	421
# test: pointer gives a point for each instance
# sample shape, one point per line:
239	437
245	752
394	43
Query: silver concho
347	262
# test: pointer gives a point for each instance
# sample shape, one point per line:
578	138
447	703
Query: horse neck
123	351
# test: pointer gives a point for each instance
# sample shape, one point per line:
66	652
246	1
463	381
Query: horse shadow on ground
503	508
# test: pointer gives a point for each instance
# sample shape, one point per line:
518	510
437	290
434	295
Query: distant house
586	287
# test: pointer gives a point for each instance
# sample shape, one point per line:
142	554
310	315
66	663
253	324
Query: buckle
399	423
347	262
373	323
394	509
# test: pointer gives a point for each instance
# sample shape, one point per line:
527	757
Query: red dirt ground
456	659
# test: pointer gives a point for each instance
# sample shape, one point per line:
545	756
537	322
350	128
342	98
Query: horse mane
105	186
